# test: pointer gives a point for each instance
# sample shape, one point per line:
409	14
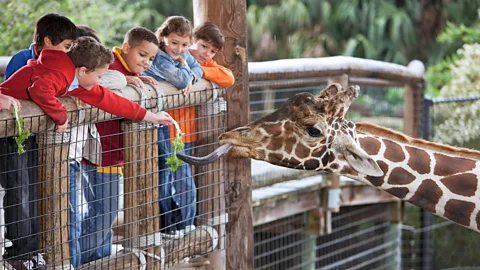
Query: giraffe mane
402	138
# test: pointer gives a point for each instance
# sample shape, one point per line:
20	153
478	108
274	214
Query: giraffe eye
313	131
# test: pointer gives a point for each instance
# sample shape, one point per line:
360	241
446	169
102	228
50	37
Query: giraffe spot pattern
378	181
273	130
311	164
427	195
400	176
289	143
459	211
325	159
446	165
370	145
319	152
393	151
399	192
275	145
334	166
301	151
464	184
419	160
348	170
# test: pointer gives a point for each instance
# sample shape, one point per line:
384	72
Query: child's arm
110	102
16	62
163	70
43	93
218	74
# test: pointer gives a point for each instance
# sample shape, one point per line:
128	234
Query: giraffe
310	133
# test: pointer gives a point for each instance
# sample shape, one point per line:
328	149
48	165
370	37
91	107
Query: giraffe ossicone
310	133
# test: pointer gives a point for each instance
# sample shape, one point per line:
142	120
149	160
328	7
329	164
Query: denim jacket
19	60
164	68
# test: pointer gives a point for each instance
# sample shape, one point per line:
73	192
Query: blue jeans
76	216
101	192
177	189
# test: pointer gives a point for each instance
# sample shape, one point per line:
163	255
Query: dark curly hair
87	52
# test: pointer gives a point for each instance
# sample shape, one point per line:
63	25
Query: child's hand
135	80
148	79
189	89
158	118
63	127
164	118
182	61
7	101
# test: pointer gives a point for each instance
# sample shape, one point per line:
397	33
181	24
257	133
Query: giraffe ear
360	161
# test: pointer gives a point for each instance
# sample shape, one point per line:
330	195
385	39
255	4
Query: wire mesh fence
102	195
362	237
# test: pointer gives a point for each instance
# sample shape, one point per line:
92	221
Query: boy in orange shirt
208	39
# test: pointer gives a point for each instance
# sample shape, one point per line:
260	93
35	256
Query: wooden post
333	204
142	214
230	16
54	189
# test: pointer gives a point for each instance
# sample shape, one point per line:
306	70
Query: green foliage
22	133
177	147
111	20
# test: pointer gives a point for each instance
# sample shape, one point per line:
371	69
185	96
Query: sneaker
188	229
37	262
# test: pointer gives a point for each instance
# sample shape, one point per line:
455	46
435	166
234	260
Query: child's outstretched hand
7	101
63	127
148	79
189	89
162	118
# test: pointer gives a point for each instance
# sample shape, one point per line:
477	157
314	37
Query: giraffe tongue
220	151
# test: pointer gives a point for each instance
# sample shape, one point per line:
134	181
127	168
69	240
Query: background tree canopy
395	31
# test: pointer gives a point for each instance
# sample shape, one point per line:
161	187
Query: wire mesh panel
362	237
106	195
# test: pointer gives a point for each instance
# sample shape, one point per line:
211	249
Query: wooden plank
362	194
38	121
285	207
413	109
142	213
54	191
230	16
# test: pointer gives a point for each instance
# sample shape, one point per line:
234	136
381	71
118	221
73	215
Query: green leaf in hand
177	147
22	134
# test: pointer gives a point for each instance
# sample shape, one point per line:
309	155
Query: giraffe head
308	132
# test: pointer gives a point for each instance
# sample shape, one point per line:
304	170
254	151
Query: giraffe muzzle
210	158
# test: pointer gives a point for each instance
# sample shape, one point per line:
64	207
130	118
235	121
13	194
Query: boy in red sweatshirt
50	76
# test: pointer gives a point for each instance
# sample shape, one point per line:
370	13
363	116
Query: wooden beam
286	206
231	17
361	194
142	213
54	211
161	96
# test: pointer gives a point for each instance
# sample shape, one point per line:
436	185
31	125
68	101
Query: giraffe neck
440	179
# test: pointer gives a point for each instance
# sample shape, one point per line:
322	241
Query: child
136	55
176	65
44	79
208	39
54	32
